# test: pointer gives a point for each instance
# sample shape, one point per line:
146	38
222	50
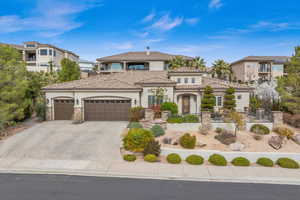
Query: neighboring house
38	57
110	97
259	68
142	60
86	65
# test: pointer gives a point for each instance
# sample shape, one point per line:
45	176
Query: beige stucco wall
243	102
156	65
198	79
251	71
239	71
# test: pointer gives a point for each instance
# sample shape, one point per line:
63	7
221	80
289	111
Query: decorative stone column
77	116
277	117
259	114
165	114
49	113
149	114
245	119
206	118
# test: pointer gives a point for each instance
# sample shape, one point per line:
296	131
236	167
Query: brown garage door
63	109
106	110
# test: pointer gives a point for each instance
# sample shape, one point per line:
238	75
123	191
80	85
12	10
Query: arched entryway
188	103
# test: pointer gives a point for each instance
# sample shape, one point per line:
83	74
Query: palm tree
221	70
177	62
198	63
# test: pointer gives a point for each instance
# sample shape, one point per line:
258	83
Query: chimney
148	50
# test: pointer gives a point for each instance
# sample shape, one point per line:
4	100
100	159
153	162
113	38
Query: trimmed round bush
129	157
187	141
169	106
217	159
284	131
150	158
174	158
260	129
194	160
190	119
157	130
240	161
137	139
287	163
266	162
134	125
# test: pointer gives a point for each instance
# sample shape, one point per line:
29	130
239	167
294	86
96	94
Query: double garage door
107	110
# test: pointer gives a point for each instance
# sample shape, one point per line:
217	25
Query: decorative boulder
275	142
296	138
199	144
237	146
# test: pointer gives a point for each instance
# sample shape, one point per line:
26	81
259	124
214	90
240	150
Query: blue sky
212	29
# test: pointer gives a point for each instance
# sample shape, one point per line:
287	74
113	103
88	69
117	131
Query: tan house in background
259	68
140	60
39	56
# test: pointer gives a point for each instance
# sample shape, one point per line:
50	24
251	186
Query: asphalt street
62	187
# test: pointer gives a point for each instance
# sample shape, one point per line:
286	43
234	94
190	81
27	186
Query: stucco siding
156	65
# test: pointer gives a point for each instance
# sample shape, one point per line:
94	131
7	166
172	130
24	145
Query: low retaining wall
230	155
195	126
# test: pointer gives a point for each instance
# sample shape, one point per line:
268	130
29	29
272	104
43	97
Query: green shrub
187	141
153	147
169	106
129	157
287	163
173	158
40	110
219	130
194	160
266	162
157	130
240	161
190	119
137	139
150	158
134	125
217	159
260	129
136	113
284	131
175	120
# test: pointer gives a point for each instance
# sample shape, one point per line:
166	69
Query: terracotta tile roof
123	80
141	56
282	59
186	69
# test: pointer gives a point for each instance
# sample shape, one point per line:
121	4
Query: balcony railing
31	59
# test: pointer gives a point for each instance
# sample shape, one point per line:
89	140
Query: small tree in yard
69	70
229	99
237	119
208	101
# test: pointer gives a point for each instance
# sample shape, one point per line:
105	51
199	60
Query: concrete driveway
59	144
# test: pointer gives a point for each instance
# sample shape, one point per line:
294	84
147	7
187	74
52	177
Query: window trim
186	80
193	80
217	101
40	50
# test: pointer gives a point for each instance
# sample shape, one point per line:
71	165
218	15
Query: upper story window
219	101
186	80
239	97
54	53
43	52
50	52
178	80
30	45
193	80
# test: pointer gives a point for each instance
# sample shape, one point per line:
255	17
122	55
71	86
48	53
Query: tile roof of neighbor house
264	58
141	56
133	80
187	69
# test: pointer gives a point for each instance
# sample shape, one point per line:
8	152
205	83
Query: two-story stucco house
259	68
110	97
39	56
141	60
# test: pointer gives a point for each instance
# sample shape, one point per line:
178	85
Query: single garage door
106	110
63	109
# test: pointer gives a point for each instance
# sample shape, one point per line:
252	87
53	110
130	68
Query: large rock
237	146
275	142
296	138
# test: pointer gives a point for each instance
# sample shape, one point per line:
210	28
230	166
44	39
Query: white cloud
154	40
192	21
165	23
273	26
215	4
149	17
48	20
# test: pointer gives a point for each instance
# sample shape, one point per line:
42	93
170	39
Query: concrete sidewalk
142	169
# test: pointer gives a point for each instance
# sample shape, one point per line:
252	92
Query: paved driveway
57	143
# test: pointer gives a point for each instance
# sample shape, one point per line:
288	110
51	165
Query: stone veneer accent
49	113
245	119
206	118
77	116
149	114
165	115
277	118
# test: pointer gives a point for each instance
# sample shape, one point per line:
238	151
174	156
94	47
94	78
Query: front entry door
185	104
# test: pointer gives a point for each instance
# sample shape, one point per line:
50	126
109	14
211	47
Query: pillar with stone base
77	116
49	113
206	118
277	117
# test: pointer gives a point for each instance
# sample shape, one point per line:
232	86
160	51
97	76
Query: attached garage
63	109
107	110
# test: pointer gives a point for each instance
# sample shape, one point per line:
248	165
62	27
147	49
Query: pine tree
69	70
208	101
229	99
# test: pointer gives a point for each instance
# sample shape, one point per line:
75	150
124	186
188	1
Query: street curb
123	175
